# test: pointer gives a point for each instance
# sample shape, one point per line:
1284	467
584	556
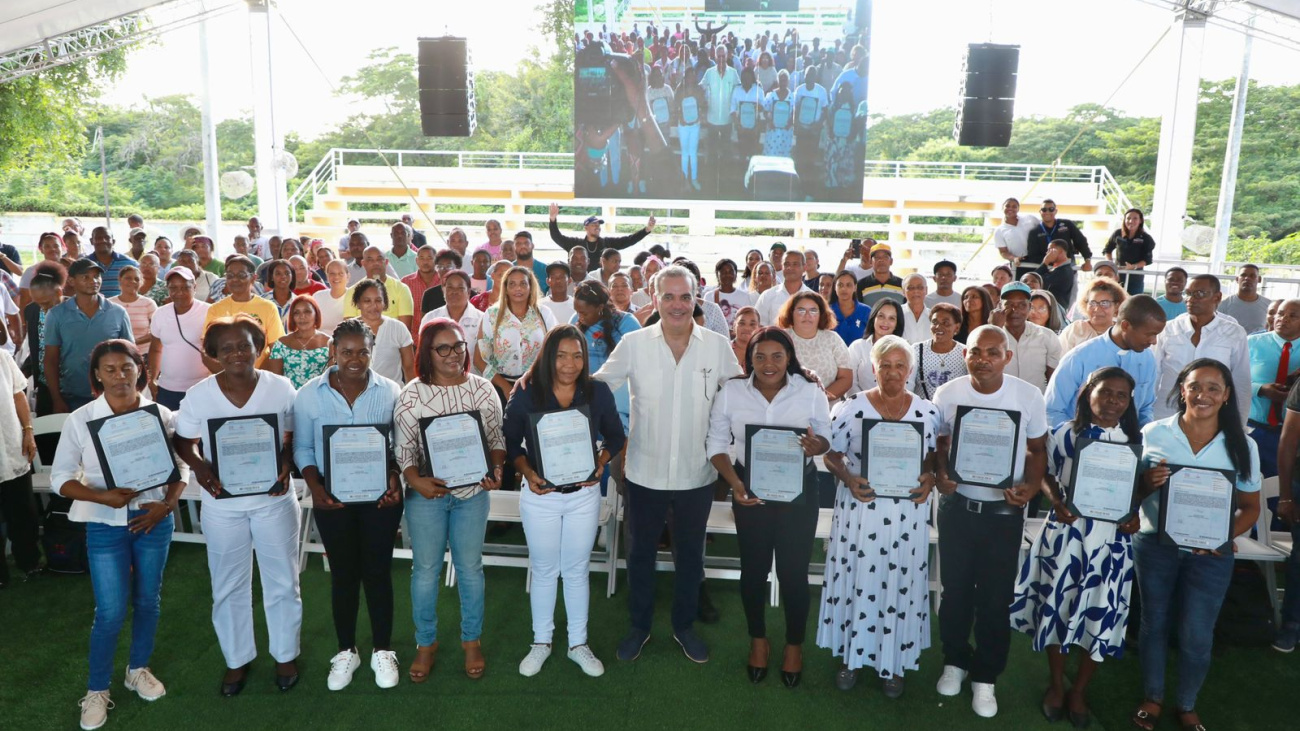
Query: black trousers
647	512
508	474
359	543
785	530
979	554
18	507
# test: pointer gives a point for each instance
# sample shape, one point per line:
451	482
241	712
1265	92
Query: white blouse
738	404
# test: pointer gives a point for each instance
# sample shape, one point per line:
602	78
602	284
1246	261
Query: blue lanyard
1051	235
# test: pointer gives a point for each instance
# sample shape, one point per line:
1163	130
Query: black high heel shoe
756	674
791	679
232	689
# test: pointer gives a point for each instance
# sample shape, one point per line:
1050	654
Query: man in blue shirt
1272	362
1126	345
73	329
109	261
524	258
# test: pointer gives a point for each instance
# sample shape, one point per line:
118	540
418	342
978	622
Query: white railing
318	180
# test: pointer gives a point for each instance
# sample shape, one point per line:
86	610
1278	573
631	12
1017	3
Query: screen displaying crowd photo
725	104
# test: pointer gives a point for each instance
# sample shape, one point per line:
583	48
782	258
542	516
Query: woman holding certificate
875	596
244	418
344	422
127	511
450	450
773	485
551	429
1200	490
1074	584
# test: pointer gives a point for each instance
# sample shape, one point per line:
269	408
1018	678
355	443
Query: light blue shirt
598	351
319	405
1265	352
1078	364
1172	309
1164	439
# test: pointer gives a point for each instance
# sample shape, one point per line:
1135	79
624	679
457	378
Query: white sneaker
145	685
950	682
342	666
384	663
94	709
587	660
985	703
533	661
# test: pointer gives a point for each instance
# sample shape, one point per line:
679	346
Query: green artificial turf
46	625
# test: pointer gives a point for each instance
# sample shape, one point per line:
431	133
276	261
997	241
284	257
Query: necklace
302	344
884	402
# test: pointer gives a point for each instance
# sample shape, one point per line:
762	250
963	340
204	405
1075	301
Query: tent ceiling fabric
25	23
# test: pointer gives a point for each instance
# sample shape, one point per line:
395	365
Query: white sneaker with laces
985	704
950	682
384	663
145	685
342	666
587	660
94	709
533	661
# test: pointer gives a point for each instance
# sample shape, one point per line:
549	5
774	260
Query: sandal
1198	726
1144	719
474	663
423	663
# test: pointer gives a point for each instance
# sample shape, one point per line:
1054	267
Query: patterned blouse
301	366
419	400
511	348
159	293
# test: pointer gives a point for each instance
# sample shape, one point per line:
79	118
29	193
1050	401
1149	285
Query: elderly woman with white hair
875	594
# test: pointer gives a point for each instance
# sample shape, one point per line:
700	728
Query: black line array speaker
988	95
446	88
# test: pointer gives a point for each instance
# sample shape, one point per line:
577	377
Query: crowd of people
799	102
672	375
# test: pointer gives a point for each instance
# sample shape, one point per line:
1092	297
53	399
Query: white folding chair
1260	550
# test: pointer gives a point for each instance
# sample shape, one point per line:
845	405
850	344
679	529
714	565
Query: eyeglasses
238	275
1039	308
1045	209
807	311
1199	294
1103	304
446	350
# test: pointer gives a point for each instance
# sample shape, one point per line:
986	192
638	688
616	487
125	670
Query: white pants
560	530
232	537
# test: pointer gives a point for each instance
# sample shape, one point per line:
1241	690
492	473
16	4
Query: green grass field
46	625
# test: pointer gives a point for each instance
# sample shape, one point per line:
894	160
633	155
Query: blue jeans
125	569
1193	585
1291	600
689	137
434	525
170	399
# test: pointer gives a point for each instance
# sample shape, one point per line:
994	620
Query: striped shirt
419	400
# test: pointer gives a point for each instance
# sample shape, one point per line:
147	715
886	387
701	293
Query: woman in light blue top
358	536
1203	435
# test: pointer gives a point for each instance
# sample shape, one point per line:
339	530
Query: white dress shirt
76	460
1037	350
916	329
738	404
1221	339
770	303
670	403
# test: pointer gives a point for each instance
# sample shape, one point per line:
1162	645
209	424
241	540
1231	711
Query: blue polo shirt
75	335
110	287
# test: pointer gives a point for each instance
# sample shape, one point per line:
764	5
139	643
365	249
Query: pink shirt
141	312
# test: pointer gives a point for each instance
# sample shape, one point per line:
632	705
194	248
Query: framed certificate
246	454
774	462
1196	508
563	446
748	113
357	457
893	453
133	449
984	446
1102	479
455	448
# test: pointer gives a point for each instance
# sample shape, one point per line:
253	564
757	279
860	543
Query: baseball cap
777	245
204	237
1020	287
182	272
881	247
135	231
944	263
593	219
82	266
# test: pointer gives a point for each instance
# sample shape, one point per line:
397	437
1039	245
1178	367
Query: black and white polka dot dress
875	608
